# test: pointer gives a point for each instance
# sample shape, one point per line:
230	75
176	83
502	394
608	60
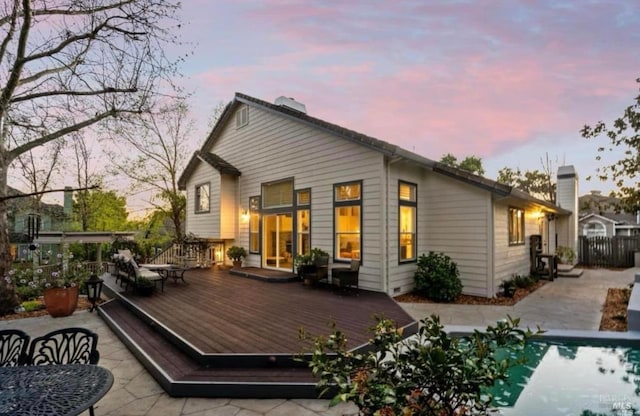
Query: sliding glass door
278	241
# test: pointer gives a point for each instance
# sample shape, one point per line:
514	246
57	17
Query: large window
202	199
516	226
407	203
254	224
277	194
347	215
595	229
303	201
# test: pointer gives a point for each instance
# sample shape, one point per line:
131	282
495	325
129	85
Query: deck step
182	376
568	270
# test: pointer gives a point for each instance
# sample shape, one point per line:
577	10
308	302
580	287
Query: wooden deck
220	313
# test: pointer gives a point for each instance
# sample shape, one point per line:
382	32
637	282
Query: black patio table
52	390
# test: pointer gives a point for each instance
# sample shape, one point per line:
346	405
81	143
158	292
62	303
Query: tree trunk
8	298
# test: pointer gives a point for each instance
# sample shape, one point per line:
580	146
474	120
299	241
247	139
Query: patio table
53	390
169	271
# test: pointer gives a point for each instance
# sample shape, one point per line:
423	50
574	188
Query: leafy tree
471	164
161	140
540	184
68	65
431	374
107	211
623	133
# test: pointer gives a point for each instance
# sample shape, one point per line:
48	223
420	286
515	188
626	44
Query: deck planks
220	313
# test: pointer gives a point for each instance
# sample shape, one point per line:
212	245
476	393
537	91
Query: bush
32	305
523	282
29	292
566	255
437	277
429	374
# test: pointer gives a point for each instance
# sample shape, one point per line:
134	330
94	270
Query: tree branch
48	192
109	90
81	12
18	64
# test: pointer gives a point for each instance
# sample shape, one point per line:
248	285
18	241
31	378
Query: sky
509	81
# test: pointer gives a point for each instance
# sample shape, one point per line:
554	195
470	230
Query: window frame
298	208
412	204
242	117
347	203
511	213
197	198
290	206
254	209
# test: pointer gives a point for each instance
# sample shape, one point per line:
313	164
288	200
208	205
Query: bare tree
37	167
162	148
68	65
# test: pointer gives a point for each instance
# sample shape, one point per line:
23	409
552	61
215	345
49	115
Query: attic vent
242	117
291	103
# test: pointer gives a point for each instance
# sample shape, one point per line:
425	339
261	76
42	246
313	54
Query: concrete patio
563	304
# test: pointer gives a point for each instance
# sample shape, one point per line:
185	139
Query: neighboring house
277	181
600	216
52	218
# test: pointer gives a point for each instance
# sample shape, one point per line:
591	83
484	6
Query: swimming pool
573	378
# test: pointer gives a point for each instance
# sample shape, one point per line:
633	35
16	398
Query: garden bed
614	311
83	304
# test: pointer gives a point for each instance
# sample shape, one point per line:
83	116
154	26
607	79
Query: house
277	181
51	217
600	216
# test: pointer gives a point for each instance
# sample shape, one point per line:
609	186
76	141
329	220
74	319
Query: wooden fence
608	251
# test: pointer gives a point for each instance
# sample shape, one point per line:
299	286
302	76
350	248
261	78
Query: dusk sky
504	80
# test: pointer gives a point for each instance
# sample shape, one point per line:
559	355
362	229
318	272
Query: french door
277	241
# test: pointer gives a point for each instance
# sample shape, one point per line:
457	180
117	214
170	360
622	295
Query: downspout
386	223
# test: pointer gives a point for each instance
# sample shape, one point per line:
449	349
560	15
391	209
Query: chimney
567	198
68	203
291	104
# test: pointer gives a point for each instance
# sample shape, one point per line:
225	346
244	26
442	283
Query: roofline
386	148
597	215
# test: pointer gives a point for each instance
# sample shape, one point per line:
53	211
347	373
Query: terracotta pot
61	301
237	264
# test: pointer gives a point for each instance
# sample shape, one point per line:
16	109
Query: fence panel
615	251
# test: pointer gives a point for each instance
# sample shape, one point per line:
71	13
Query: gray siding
457	223
510	260
272	147
204	225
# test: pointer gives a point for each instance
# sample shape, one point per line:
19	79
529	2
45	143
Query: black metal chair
346	277
65	346
13	347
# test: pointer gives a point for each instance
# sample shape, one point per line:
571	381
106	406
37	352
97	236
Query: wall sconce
244	215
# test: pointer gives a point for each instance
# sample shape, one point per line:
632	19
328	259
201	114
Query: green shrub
32	305
566	255
523	282
29	292
429	374
437	277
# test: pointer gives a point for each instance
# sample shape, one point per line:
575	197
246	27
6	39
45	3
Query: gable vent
291	103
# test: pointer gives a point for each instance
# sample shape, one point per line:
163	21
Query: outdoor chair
319	271
65	346
13	347
345	277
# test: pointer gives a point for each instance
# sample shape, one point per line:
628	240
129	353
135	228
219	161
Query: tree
68	65
161	143
471	164
625	133
540	184
107	211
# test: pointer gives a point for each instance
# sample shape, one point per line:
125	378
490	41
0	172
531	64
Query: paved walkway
563	304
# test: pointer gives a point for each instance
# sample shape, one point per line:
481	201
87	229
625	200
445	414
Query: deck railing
186	254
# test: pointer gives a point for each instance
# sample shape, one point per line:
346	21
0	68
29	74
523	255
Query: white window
242	117
595	229
202	199
254	224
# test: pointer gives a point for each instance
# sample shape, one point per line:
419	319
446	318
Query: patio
222	335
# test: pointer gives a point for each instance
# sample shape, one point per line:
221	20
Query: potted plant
508	288
566	255
61	285
303	264
144	286
236	254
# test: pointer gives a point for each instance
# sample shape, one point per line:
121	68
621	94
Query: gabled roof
390	150
620	219
214	160
596	216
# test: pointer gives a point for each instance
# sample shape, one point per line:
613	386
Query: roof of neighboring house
25	203
620	219
390	150
595	216
212	159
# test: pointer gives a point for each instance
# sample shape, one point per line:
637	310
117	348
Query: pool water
572	379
